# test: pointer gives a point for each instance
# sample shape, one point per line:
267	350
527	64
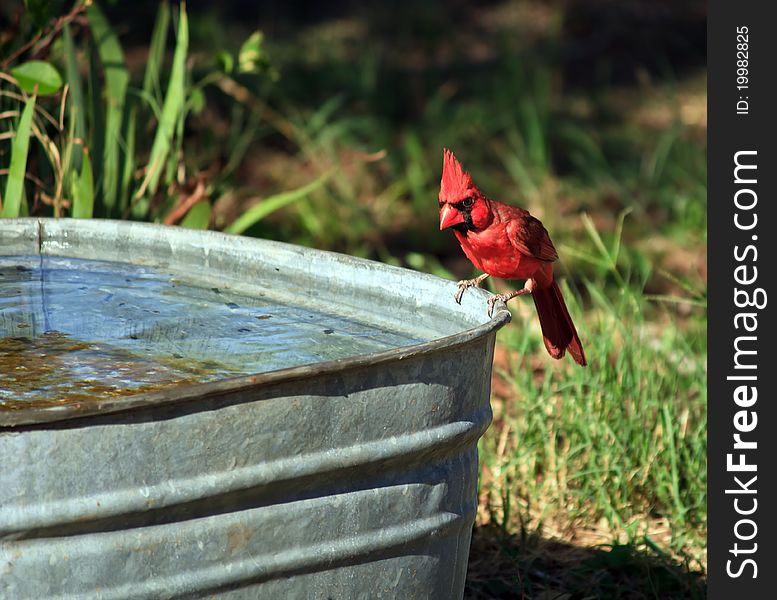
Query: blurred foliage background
323	124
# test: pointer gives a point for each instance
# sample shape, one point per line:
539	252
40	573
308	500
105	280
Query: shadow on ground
531	567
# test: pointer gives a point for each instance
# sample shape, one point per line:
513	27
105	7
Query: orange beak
449	217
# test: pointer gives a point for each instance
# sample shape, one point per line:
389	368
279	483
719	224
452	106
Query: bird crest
456	183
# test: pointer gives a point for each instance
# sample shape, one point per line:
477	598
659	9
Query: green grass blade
239	145
568	250
517	168
76	107
24	208
656	162
14	185
535	136
269	205
668	298
590	228
173	106
116	82
128	169
669	431
616	241
95	122
71	164
607	258
83	191
156	52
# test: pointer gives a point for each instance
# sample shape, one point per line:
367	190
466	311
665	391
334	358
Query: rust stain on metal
238	537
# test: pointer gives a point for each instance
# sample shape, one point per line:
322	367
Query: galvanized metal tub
353	478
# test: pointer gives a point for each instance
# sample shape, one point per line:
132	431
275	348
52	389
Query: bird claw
467	283
504	298
492	300
463	285
460	292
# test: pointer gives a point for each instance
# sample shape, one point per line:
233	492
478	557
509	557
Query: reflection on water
72	330
54	369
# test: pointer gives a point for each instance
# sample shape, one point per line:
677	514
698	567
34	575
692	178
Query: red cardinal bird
507	242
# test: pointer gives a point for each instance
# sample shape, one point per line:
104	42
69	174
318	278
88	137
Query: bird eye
467	202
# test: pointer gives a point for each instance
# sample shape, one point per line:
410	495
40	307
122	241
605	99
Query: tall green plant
92	131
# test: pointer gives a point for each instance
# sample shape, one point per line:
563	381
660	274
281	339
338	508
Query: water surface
73	330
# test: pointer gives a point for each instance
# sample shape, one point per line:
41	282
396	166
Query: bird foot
504	298
468	283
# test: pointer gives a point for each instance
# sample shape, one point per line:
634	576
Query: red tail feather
558	331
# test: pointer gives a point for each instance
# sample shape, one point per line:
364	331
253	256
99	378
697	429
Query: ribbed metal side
351	479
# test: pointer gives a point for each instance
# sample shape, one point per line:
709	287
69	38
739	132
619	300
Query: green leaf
269	205
251	58
83	190
226	61
14	185
171	110
116	81
40	73
198	216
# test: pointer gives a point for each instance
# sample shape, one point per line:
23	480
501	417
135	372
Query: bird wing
529	235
